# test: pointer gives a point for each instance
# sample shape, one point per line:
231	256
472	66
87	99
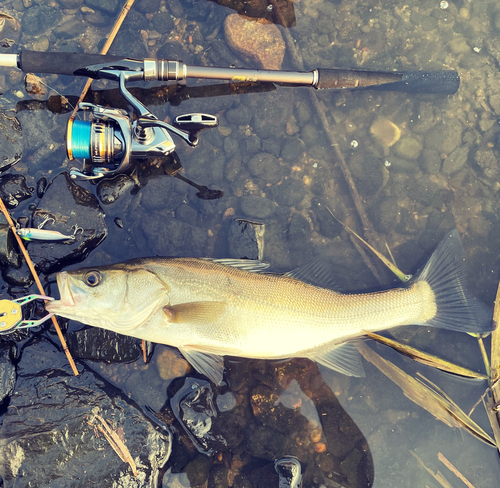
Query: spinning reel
109	140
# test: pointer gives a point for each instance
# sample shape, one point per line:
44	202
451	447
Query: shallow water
442	173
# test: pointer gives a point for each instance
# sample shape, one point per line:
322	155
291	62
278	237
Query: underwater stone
255	39
38	19
256	207
163	22
108	6
246	239
455	161
293	149
385	131
110	189
431	161
488	162
171	365
265	166
289	193
408	148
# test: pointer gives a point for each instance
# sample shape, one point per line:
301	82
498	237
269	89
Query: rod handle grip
444	81
73	64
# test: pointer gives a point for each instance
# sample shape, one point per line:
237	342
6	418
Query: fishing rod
111	139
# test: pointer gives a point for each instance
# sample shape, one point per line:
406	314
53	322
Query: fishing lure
40	234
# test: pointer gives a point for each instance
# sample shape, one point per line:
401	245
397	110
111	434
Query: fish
210	308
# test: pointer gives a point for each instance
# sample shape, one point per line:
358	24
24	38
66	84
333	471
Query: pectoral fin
210	365
343	358
194	312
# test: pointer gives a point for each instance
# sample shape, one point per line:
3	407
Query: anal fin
210	365
343	358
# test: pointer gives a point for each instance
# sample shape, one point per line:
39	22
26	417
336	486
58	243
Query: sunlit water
411	190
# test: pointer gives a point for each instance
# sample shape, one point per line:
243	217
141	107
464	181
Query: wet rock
384	214
385	131
289	193
11	140
198	469
255	39
289	472
272	413
299	232
171	365
68	204
293	149
70	4
408	148
69	29
39	19
193	406
263	442
7	371
218	477
487	161
241	115
328	226
9	256
147	6
271	113
256	207
367	173
110	189
187	214
50	438
246	239
34	86
123	47
108	6
431	161
171	237
265	166
444	138
456	160
427	193
41	186
163	22
103	345
437	225
18	276
13	190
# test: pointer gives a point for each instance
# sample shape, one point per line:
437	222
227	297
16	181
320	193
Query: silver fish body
208	309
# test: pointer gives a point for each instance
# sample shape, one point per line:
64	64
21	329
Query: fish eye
92	278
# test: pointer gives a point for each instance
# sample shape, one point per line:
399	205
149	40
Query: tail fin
445	274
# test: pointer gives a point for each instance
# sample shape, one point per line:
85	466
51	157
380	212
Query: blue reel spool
78	139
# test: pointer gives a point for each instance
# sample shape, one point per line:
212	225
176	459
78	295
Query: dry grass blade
6	16
399	274
490	407
495	341
438	476
116	443
454	470
423	357
436	403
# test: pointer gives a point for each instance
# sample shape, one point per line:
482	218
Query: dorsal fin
252	265
316	272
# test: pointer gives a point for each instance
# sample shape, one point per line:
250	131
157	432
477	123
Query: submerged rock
46	439
246	239
255	39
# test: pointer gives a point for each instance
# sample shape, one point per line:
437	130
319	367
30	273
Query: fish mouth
67	299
